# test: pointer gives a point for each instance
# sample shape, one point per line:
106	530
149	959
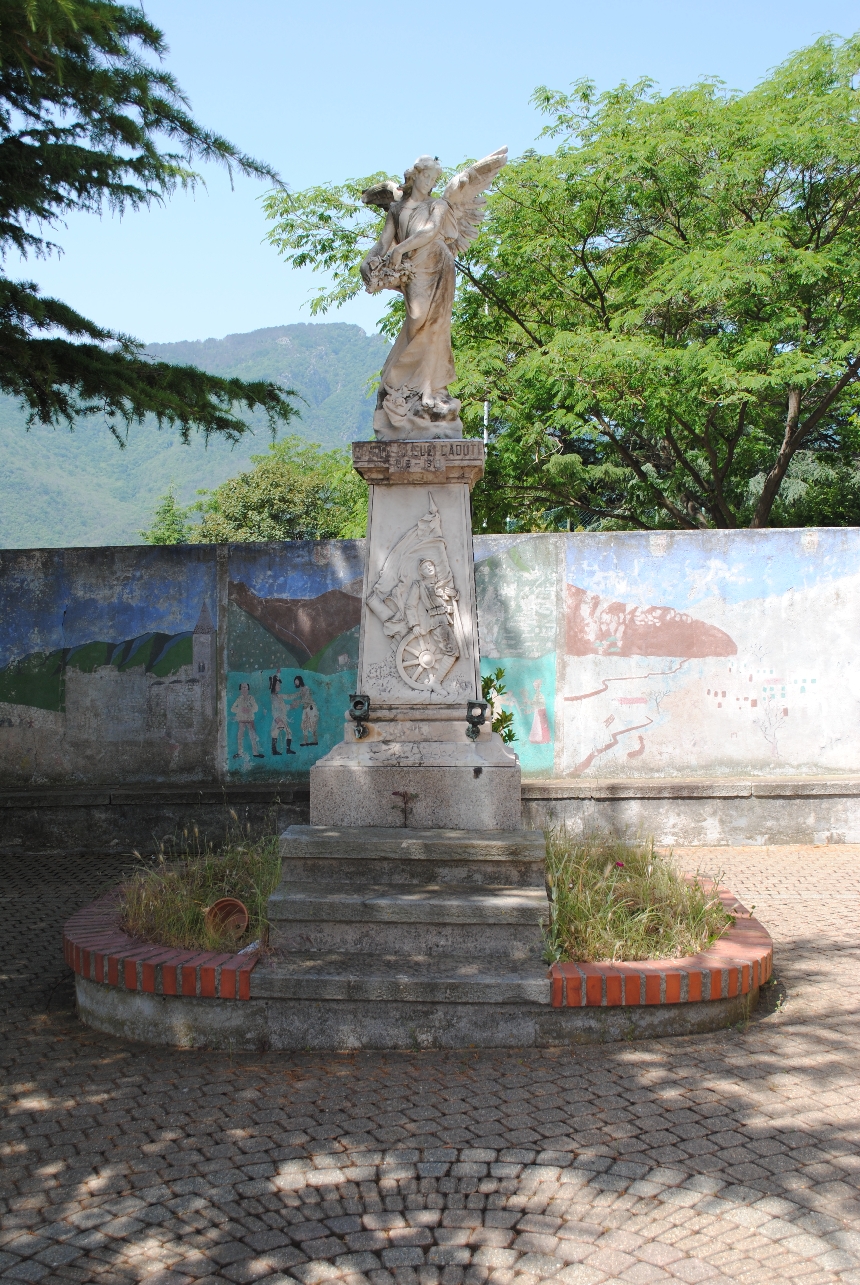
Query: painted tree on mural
86	123
664	312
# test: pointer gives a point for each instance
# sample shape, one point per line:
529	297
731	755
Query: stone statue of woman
415	255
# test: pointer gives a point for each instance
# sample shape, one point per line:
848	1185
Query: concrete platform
407	939
303	1025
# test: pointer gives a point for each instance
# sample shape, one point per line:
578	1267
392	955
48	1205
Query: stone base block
353	794
302	1025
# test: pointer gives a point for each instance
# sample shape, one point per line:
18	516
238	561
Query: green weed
612	899
166	902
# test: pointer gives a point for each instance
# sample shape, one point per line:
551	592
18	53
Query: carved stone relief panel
419	636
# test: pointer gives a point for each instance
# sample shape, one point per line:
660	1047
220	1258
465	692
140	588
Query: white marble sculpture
417	602
415	255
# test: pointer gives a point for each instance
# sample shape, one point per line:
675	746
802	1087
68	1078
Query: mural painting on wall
517	593
625	655
292	654
704	653
110	672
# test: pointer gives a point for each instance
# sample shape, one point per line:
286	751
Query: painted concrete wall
712	654
627	656
107	665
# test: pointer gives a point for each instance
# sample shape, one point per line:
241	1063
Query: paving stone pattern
730	1157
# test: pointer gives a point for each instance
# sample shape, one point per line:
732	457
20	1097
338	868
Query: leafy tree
170	523
86	123
295	491
329	228
664	312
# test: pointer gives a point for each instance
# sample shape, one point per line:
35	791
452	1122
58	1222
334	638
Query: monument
415	865
418	749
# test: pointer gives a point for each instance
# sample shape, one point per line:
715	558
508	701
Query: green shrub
501	720
166	902
615	900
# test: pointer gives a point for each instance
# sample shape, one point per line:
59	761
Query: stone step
519	941
407	978
348	872
402	892
383	857
426	904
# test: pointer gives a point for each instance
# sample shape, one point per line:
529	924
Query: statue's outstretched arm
378	251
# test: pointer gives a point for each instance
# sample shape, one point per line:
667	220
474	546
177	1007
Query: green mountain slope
60	488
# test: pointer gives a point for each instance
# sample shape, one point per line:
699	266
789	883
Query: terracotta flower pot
227	915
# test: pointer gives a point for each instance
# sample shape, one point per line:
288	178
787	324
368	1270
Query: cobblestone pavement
731	1157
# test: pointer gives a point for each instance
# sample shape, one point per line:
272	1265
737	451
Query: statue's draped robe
421	359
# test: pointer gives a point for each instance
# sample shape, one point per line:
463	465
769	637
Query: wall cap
692	788
556	788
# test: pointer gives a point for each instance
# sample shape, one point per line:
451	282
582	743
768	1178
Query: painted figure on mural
245	707
310	713
280	716
539	735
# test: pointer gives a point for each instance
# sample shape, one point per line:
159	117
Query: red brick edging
95	946
735	964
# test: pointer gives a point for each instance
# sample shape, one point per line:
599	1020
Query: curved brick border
738	962
95	946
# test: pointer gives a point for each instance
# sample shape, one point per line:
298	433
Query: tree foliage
87	123
170	524
328	228
295	491
664	311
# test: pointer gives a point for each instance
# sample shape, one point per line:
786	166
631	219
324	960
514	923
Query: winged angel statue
415	255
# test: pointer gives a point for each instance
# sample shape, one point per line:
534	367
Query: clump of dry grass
618	900
166	902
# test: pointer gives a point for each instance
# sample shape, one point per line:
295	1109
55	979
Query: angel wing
465	195
382	195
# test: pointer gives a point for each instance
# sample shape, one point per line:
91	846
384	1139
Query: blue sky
332	89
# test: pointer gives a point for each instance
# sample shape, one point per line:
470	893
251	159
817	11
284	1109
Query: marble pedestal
414	770
410	762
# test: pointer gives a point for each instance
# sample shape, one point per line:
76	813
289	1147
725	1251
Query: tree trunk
773	481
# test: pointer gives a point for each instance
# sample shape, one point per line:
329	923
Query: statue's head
427	569
428	168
